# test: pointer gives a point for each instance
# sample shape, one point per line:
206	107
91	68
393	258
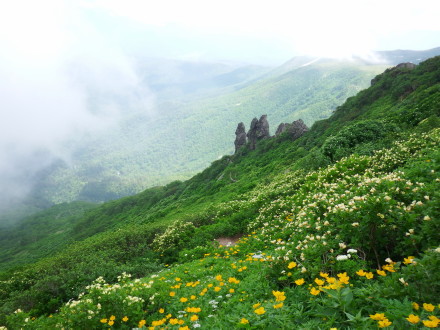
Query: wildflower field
346	243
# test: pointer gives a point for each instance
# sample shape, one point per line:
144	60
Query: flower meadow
354	245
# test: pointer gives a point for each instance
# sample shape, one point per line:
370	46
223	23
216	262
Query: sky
64	65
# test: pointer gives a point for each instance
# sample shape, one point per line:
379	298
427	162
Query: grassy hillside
336	226
41	234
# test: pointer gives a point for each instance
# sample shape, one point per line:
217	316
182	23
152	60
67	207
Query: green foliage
347	244
359	133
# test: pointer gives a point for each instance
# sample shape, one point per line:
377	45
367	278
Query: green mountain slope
173	144
328	209
41	234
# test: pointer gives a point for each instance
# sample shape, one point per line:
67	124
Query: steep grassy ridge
320	218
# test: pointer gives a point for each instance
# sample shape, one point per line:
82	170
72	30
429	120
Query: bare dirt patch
229	241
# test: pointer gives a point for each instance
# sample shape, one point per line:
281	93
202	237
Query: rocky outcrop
281	128
396	70
240	136
407	65
294	130
259	130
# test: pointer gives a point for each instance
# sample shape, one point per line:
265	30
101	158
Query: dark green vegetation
364	179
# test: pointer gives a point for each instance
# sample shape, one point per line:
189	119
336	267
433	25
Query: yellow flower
414	319
172	294
389	268
233	280
300	281
111	322
279	295
125	319
231	290
291	265
217	289
343	278
369	275
184	328
319	281
183	299
141	323
173	321
112	318
384	323
415	306
158	323
193	297
361	272
103	321
428	307
325	275
408	260
330	280
177	279
430	323
256	305
244	321
194	318
161	310
219	278
278	305
378	316
314	291
381	272
260	311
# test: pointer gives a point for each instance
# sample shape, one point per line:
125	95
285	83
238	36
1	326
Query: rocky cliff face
240	136
259	130
295	129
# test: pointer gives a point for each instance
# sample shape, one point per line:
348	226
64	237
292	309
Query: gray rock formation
259	130
240	136
295	130
281	128
407	65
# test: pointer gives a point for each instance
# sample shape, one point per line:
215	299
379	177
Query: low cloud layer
60	78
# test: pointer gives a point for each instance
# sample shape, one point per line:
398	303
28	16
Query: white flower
388	260
196	325
342	245
426	218
342	257
355	224
352	251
